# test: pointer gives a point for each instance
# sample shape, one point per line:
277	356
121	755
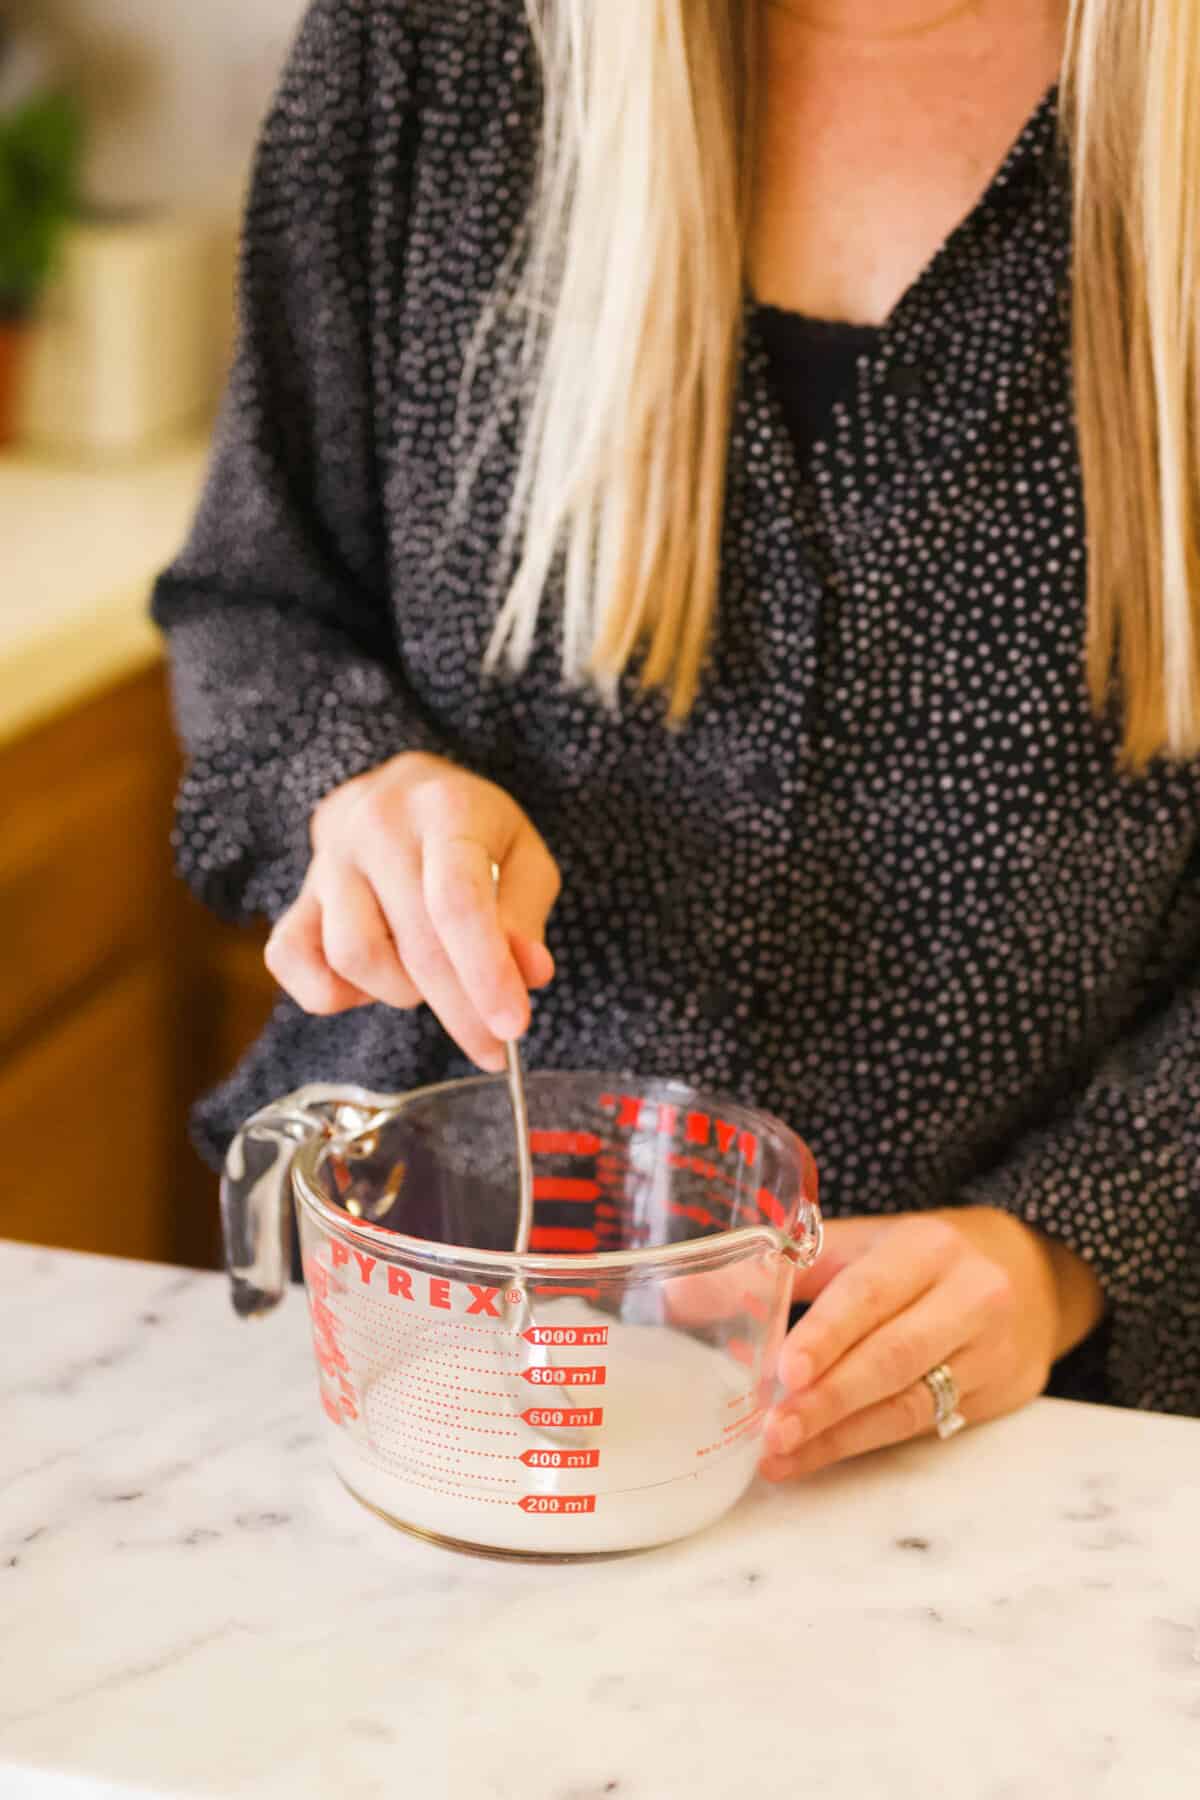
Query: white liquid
673	1451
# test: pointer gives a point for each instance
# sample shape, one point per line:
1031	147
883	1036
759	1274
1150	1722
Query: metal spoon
520	1113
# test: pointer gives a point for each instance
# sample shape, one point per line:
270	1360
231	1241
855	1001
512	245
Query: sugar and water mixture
475	1436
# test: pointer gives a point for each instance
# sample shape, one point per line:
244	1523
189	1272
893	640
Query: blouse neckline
1037	137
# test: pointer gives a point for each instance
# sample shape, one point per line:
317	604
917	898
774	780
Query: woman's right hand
399	905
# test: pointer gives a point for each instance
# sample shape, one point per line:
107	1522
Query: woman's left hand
891	1298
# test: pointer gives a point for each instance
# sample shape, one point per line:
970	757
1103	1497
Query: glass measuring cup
602	1393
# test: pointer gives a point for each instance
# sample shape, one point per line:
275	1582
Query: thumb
845	1240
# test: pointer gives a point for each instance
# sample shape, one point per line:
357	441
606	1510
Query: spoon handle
516	1094
520	1113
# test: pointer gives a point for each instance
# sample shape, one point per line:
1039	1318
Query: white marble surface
190	1605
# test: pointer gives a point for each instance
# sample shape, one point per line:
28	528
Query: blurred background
126	128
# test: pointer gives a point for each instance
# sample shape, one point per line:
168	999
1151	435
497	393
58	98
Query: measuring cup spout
256	1185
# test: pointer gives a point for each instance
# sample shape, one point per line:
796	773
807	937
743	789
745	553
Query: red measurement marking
564	1187
331	1359
454	1443
562	1237
566	1334
554	1292
733	1434
564	1143
699	1215
437	1465
550	1417
453	1424
695	1165
771	1208
587	1375
407	1328
558	1503
449	1387
431	1487
561	1459
751	1418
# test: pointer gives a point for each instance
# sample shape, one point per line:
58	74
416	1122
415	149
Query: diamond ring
942	1385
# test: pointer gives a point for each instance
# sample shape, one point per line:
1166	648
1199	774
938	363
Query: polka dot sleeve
287	676
1113	1177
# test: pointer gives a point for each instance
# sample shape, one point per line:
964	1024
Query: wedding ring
946	1417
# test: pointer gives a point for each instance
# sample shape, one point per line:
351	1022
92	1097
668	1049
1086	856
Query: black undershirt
813	363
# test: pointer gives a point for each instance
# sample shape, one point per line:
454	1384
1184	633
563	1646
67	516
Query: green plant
41	145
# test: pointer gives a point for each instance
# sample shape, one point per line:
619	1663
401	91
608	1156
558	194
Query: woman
736	362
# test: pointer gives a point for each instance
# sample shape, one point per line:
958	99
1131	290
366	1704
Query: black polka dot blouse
889	881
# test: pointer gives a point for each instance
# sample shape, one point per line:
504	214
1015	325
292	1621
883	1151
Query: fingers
874	1392
529	884
399	905
456	880
396	878
295	955
909	1414
357	943
899	1265
845	1240
922	1294
888	1361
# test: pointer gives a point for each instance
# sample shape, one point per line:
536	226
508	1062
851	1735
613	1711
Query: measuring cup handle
256	1186
804	1243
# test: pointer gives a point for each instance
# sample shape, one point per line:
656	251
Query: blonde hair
628	302
1131	111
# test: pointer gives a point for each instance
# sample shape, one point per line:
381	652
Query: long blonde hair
629	291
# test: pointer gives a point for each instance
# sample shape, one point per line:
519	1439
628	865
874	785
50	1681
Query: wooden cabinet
121	1000
86	1120
223	996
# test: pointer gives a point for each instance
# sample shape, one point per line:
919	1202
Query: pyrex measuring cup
667	1226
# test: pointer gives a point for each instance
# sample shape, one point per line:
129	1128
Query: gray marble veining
190	1605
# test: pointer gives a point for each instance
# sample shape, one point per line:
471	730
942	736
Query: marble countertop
81	549
191	1605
